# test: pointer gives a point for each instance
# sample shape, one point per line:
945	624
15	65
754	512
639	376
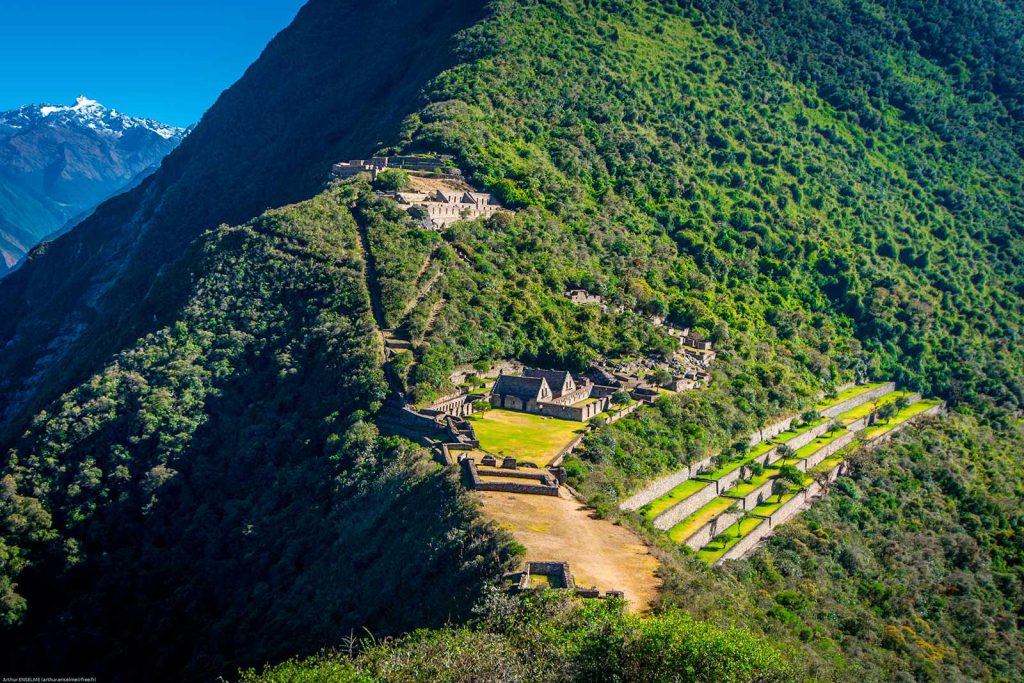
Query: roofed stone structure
560	381
553	393
441	208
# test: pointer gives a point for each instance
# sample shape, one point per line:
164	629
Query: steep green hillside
192	477
698	175
215	496
332	86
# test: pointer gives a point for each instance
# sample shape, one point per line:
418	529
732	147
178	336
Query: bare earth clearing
599	553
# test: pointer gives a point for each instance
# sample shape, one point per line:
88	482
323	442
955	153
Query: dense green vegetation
827	192
257	497
551	638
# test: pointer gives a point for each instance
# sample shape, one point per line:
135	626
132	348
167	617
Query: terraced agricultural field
686	528
847	394
866	409
878	429
819	443
680	493
728	538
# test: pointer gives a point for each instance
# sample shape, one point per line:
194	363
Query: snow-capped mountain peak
86	113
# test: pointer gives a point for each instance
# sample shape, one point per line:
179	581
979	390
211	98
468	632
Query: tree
735	509
620	398
902	403
809	416
780	487
661	376
784	451
789	478
887	411
392	180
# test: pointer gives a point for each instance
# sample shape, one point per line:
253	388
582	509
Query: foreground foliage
552	638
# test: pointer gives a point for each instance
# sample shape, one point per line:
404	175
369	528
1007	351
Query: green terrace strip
866	409
680	493
728	538
819	443
771	506
792	433
686	528
900	417
762	448
847	394
744	487
832	461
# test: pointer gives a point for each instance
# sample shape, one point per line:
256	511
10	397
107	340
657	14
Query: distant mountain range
57	163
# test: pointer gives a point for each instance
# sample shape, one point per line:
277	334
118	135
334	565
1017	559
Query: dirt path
599	553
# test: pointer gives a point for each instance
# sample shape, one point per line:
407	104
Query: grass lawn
743	488
540	581
827	464
866	409
770	506
686	528
680	493
910	411
731	536
847	394
791	433
819	443
526	437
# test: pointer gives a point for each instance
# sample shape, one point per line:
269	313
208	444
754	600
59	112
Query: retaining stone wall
829	449
851	403
685	508
726	481
937	410
757	496
746	543
788	509
573	445
660	487
798	442
771	431
702	536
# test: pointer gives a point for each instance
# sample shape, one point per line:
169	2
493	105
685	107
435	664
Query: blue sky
163	60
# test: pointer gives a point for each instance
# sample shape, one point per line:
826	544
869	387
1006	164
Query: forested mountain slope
825	192
314	96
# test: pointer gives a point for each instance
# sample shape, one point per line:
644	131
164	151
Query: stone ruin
425	163
559	577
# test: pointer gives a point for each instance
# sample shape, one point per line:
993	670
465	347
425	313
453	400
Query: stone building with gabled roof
554	393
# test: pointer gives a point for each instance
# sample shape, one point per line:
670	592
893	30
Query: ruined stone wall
851	403
685	508
478	484
704	535
558	570
632	407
